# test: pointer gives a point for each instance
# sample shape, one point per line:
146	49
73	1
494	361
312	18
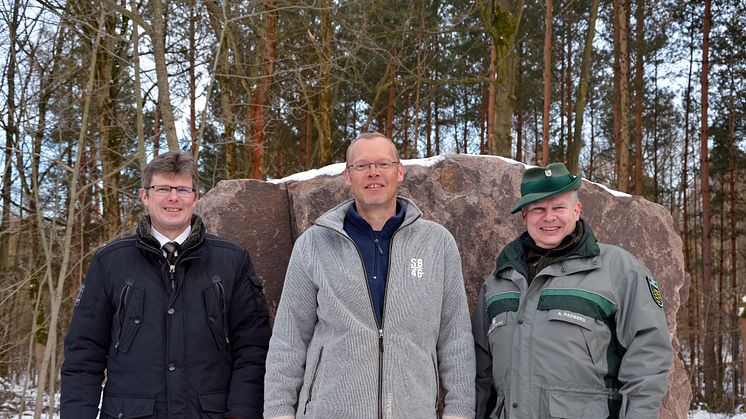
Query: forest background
646	97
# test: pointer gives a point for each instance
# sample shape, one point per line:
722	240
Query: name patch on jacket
571	317
655	291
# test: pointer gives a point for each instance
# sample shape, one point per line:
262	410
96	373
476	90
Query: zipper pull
171	268
380	340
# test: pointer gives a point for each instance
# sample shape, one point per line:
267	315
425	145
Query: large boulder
472	197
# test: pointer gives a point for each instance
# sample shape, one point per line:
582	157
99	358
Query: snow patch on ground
702	414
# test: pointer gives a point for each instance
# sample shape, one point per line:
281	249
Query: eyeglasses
365	166
165	190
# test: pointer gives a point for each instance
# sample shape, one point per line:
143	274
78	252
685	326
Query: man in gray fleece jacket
373	320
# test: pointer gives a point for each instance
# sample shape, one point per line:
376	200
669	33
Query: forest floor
10	398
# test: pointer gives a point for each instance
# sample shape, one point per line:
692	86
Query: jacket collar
334	218
514	254
195	237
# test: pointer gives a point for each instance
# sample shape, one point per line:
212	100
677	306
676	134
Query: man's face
548	221
170	214
373	188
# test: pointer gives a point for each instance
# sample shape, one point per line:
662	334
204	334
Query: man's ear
347	178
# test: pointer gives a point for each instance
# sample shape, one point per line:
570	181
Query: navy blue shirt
374	247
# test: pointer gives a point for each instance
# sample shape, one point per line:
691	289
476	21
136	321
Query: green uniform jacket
586	339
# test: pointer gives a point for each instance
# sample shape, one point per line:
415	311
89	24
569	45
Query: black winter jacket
191	343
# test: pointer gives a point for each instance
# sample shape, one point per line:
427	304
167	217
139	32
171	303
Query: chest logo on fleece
415	268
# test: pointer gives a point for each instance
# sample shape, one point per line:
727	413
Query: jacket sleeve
455	341
293	329
248	322
86	345
642	329
484	387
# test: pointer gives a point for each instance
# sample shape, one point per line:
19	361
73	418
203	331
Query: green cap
543	182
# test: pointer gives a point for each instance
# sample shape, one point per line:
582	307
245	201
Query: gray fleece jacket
328	356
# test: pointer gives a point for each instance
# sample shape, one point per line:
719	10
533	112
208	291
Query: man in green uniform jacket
565	326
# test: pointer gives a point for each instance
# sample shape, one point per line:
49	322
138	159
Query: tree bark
502	18
192	81
709	299
733	238
259	102
157	37
573	152
325	106
56	290
547	82
623	141
11	135
639	93
139	119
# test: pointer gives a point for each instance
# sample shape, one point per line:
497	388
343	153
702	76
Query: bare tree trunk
325	81
639	93
502	18
491	104
192	80
259	100
519	111
157	37
389	130
56	290
139	119
568	88
623	141
693	301
709	318
733	237
573	153
547	81
11	135
422	45
222	26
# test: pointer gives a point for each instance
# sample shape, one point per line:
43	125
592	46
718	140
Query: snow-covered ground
9	407
701	414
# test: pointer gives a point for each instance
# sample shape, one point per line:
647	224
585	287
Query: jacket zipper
379	325
372	307
437	384
375	318
122	311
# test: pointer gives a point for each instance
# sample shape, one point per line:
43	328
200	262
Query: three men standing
565	326
373	319
176	317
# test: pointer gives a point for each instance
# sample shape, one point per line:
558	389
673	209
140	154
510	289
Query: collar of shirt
356	221
163	239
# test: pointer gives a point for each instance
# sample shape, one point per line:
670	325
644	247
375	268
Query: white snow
339	168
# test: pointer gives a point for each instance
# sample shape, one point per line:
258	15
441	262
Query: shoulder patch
655	291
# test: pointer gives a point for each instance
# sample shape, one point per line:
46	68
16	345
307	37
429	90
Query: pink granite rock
471	196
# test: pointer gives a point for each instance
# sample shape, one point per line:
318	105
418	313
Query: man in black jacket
174	316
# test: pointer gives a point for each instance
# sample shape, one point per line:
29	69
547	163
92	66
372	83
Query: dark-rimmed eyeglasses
165	190
365	166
